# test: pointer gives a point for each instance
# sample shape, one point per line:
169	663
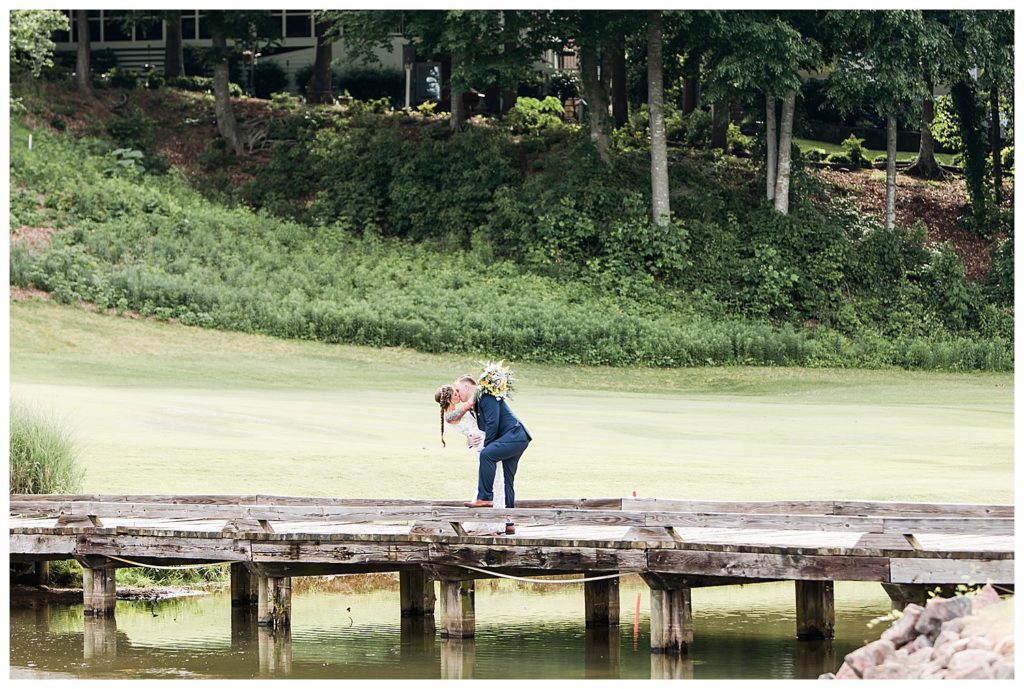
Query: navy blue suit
505	441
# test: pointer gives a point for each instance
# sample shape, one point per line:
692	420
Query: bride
459	416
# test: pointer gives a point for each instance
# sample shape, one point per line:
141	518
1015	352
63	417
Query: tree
660	206
83	69
174	54
318	88
758	55
31	45
879	60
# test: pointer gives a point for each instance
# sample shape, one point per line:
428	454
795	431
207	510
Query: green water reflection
739	632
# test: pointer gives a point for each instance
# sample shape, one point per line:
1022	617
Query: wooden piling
99	591
458	658
458	609
275	602
671	620
417	593
41	573
902	595
245	591
815	610
601	600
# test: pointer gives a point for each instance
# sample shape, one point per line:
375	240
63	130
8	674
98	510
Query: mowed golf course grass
163	408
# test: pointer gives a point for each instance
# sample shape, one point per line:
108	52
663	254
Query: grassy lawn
163	408
807	144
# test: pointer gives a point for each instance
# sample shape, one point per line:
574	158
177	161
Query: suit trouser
507	450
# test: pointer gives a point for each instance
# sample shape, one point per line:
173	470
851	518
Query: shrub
698	128
120	78
42	455
1006	158
133	130
269	78
815	155
531	116
855	151
370	83
737	141
564	84
839	159
202	85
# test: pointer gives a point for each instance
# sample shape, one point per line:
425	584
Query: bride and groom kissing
480	411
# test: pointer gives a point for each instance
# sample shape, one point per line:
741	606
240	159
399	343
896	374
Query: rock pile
966	637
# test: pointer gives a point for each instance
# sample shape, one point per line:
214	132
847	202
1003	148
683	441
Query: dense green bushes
553	263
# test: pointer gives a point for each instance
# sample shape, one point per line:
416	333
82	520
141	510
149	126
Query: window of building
204	27
298	24
149	28
114	28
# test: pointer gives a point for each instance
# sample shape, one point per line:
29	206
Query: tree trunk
83	76
691	94
973	137
925	165
996	144
509	96
785	153
174	55
771	131
620	108
656	108
720	125
318	88
226	124
890	172
458	107
597	100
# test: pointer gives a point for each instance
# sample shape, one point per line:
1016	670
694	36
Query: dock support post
244	586
41	573
458	609
601	599
99	638
99	590
671	620
275	602
903	595
417	593
815	610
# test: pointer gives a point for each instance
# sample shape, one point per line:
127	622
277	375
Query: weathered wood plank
563	559
936	571
42	544
126	546
769	566
339	553
922	509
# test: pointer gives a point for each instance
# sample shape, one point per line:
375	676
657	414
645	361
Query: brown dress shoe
510	530
479	503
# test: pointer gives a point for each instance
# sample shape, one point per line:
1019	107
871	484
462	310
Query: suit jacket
495	418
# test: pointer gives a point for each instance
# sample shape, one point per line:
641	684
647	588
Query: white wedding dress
467	426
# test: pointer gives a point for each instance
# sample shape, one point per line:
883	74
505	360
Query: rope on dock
547	581
139	564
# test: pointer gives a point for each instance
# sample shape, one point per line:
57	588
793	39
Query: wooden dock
675	545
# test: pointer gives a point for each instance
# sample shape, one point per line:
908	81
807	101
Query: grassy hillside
162	407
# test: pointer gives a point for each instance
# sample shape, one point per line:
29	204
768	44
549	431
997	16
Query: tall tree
617	58
660	205
318	88
83	67
174	52
879	61
757	57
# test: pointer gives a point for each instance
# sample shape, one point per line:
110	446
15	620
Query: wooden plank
130	547
791	522
578	559
770	566
935	571
922	509
42	544
948	525
810	507
339	553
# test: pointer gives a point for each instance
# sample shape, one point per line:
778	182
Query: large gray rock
972	664
979	643
939	610
846	672
921	656
946	651
902	631
875	653
984	598
955	625
946	637
1002	669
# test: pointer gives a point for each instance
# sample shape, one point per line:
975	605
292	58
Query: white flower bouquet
496	380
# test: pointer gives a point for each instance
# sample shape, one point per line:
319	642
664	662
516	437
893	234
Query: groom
505	440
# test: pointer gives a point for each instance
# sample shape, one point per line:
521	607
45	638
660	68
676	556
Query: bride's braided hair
443	396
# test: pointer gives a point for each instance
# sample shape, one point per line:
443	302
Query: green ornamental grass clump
42	454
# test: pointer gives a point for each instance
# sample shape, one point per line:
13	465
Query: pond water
523	631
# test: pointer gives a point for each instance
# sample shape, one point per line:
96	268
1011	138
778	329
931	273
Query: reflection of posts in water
417	636
275	649
601	653
671	666
815	658
458	656
42	611
243	626
99	638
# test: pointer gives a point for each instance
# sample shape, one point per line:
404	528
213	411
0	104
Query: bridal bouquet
496	380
